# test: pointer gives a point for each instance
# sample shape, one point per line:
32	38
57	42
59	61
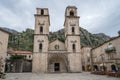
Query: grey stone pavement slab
57	76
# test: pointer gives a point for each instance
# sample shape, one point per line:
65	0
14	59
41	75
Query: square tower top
42	11
71	11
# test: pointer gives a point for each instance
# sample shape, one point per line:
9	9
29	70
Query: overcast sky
97	16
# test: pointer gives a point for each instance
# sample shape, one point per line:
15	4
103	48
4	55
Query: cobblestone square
57	76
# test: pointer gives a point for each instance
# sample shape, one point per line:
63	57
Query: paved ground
57	76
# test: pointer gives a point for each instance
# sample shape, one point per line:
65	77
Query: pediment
57	45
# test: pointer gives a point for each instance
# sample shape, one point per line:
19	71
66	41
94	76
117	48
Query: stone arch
95	68
113	67
57	59
74	47
40	46
41	29
42	12
71	13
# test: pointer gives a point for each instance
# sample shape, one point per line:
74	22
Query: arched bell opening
71	13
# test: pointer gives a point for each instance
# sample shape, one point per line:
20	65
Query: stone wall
74	61
3	45
40	63
86	57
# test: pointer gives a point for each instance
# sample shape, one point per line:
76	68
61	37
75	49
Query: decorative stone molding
73	41
40	40
72	24
41	23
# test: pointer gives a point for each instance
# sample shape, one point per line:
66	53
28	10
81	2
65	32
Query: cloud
101	16
97	16
16	15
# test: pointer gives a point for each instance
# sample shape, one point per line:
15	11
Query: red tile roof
19	52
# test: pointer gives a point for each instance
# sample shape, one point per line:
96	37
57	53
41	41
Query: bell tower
72	42
41	43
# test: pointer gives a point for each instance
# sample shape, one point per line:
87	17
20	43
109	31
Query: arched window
71	13
73	47
41	29
113	67
95	68
42	12
40	46
73	30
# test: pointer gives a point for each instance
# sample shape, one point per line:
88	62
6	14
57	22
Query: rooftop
19	52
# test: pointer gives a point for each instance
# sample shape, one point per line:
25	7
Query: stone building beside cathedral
57	56
4	36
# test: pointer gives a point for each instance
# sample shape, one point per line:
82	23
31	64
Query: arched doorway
57	63
113	67
95	68
83	68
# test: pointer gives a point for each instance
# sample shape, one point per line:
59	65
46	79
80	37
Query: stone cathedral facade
57	56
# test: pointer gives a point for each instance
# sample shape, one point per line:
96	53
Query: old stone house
86	58
57	56
106	57
4	35
19	61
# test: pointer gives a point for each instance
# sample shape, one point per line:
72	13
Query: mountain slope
87	39
9	30
24	40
